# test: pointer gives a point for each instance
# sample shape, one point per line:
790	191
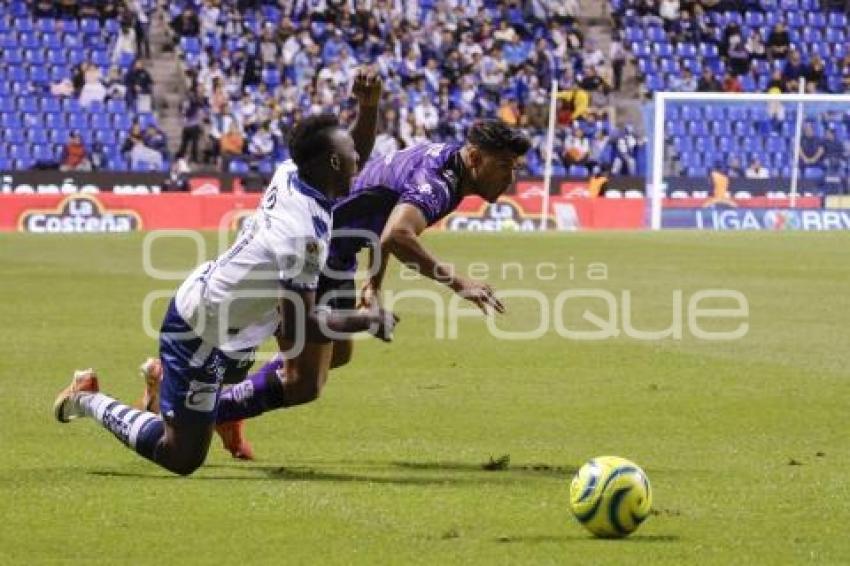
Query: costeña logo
79	214
499	216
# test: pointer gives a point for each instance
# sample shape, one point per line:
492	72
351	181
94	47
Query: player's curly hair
495	135
311	137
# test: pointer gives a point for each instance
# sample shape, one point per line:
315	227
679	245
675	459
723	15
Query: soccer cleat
232	435
64	408
151	372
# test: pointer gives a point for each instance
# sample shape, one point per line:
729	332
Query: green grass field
745	441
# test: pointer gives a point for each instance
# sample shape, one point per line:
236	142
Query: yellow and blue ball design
610	496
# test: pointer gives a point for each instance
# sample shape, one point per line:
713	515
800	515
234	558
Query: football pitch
404	459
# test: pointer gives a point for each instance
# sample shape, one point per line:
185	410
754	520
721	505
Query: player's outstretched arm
367	89
401	239
324	325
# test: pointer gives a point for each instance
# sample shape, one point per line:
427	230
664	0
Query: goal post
693	134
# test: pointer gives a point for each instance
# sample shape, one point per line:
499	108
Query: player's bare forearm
407	248
321	326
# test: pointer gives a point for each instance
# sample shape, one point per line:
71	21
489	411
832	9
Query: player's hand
383	324
479	293
370	297
367	87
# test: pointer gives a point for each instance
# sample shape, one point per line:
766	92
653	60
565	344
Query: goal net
722	149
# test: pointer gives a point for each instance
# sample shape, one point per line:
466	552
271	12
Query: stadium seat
578	171
838	21
90	26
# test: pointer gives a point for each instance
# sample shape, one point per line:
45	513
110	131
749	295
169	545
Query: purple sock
260	392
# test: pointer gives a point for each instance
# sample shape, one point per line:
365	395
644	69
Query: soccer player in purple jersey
394	199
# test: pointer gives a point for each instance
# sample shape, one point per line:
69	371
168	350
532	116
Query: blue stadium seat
817	19
100	120
42	153
13	56
838	21
834	35
37	136
686	50
116	106
23	24
697	128
663	50
696	172
111	27
656	34
7	105
14	135
90	26
45	24
29	40
9	120
54	121
28	104
8	40
77	121
190	45
754	19
71	105
795	20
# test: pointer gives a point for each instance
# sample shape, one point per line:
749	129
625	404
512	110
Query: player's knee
187	466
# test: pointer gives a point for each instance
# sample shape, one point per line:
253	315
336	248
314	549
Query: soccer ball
610	496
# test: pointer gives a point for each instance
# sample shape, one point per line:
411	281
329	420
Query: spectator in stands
595	86
684	82
261	145
74	155
139	82
778	42
756	170
617	56
142	27
125	43
144	158
625	153
232	145
833	152
115	87
755	45
845	72
155	139
815	73
509	111
708	82
192	111
731	83
669	10
93	90
812	149
738	56
792	71
597	158
576	147
185	25
135	134
734	169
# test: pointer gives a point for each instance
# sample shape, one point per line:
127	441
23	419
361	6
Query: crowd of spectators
254	68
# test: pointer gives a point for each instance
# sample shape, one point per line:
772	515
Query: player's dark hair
311	137
495	135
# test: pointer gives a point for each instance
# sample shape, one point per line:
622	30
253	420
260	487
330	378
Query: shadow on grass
419	473
534	539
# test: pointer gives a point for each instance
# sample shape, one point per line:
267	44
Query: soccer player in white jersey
266	281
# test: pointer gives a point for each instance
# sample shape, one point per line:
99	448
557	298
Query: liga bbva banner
112	213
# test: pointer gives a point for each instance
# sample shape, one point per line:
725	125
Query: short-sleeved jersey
426	175
231	302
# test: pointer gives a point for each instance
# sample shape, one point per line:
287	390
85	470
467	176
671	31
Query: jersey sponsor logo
79	214
201	396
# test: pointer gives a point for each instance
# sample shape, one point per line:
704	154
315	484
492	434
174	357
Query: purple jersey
425	175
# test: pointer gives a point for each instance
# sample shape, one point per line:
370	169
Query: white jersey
231	302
